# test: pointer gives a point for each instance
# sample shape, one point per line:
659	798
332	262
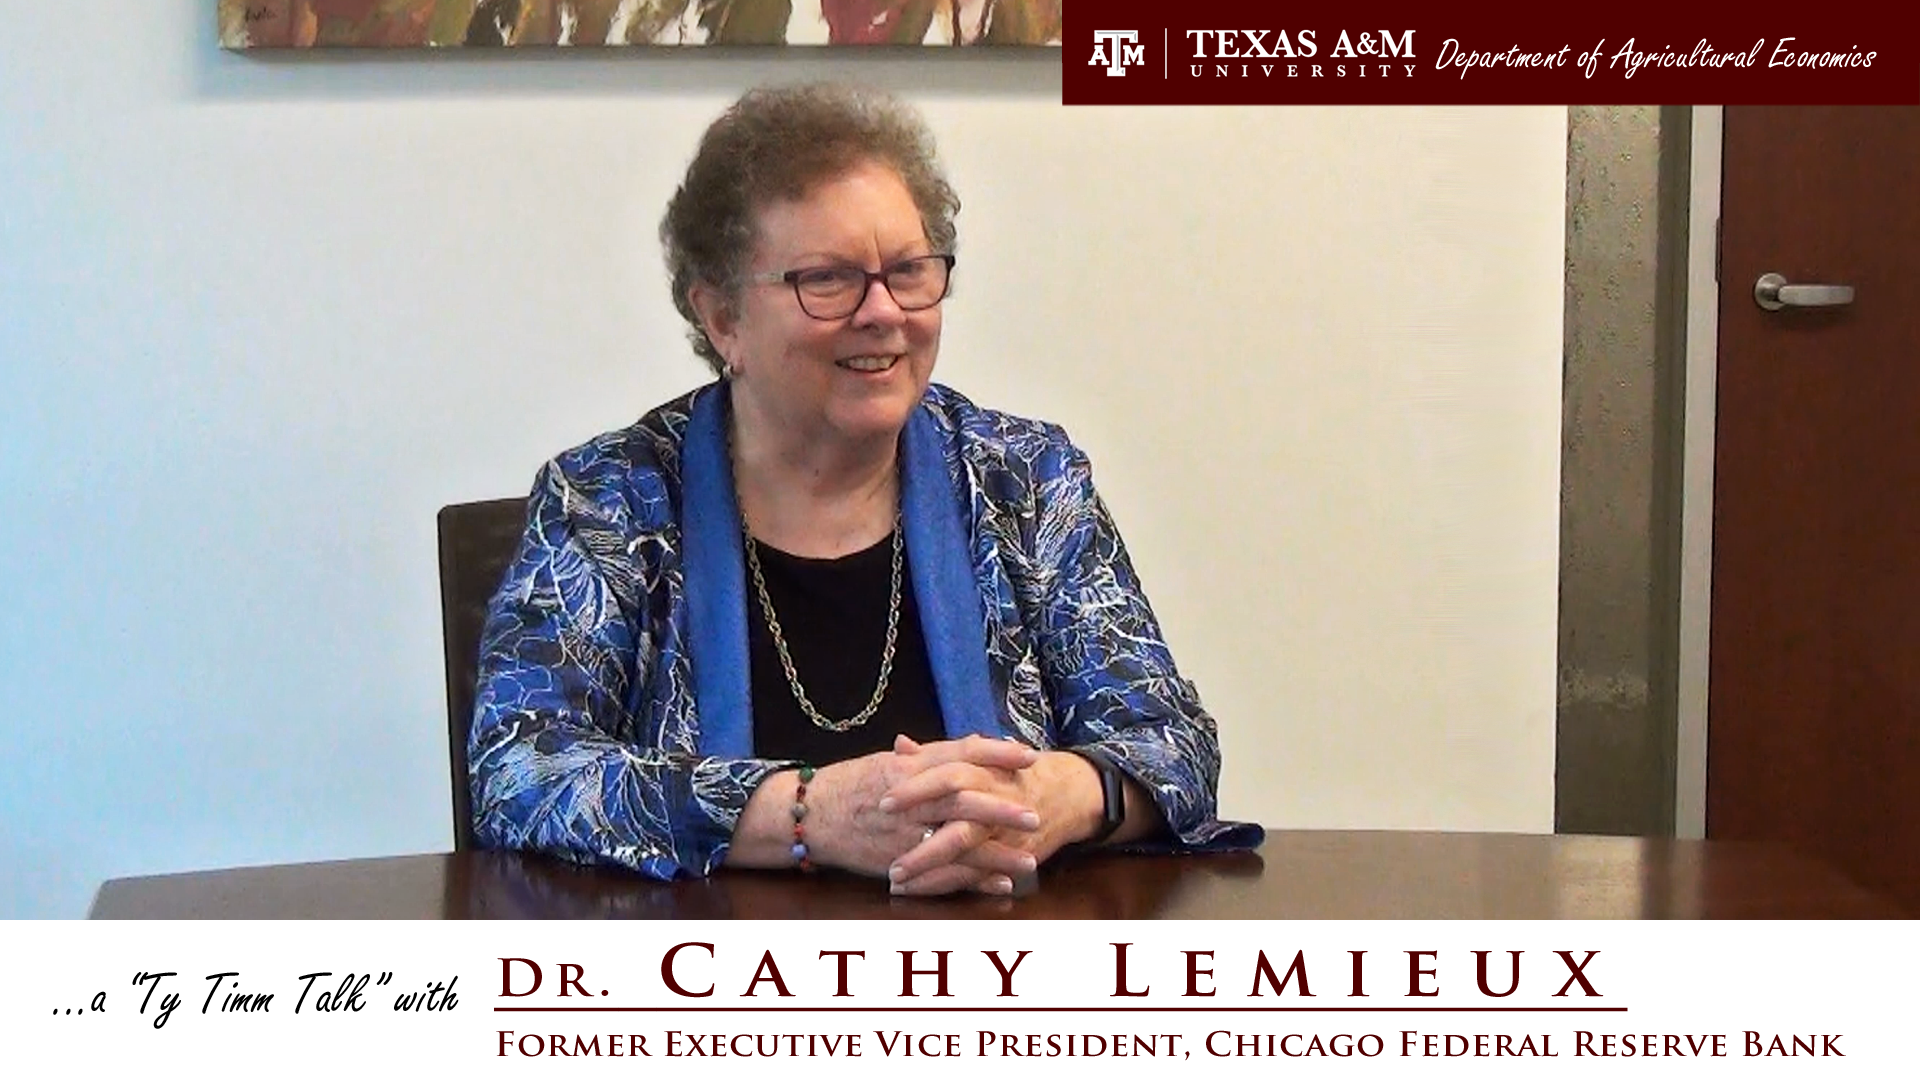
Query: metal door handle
1773	293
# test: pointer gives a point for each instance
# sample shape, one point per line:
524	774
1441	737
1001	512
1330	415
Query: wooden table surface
1295	875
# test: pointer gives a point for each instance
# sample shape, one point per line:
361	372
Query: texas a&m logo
1116	49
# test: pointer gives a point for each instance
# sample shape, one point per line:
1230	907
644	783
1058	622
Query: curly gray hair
777	144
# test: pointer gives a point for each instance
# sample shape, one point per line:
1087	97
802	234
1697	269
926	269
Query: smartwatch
1113	794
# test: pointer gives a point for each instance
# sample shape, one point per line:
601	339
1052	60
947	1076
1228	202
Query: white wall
260	317
1696	490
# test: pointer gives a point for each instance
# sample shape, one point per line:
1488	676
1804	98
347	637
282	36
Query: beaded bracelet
800	853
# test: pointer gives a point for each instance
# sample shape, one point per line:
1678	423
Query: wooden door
1813	729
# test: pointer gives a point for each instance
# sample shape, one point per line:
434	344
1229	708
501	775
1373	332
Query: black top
833	615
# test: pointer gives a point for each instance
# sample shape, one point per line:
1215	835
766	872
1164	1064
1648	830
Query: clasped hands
961	814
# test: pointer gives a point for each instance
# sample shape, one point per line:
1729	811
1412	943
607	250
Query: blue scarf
944	587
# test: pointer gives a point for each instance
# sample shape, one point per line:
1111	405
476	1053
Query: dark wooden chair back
477	541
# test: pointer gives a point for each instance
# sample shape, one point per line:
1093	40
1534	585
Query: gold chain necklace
819	720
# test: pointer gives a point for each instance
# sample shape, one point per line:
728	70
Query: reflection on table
1295	875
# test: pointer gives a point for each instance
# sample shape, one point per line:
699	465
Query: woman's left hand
1062	788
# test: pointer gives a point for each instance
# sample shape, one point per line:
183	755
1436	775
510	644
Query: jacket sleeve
1111	678
557	758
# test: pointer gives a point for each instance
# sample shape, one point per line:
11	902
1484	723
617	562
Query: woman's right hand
846	826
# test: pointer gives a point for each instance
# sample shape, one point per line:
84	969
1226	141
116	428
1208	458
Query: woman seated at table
822	612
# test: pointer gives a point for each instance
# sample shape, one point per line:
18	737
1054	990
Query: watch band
1113	794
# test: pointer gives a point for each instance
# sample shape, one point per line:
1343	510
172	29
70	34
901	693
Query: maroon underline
1060	1009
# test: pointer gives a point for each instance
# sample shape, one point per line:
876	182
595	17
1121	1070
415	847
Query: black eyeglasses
836	292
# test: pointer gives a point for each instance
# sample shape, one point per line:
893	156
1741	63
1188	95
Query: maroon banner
1237	52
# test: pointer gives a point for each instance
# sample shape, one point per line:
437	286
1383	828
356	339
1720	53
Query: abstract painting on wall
282	24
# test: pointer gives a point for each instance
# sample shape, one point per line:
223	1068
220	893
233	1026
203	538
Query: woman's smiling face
852	379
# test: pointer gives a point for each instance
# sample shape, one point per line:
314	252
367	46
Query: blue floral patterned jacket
613	722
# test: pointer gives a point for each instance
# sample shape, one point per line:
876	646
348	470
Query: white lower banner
819	998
